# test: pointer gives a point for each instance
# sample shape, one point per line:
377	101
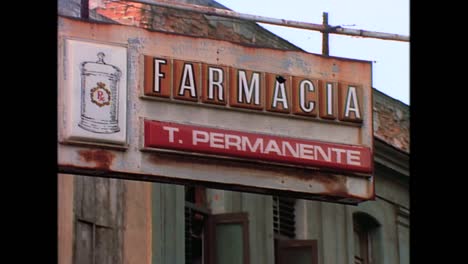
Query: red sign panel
173	136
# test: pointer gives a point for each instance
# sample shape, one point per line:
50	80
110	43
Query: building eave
391	157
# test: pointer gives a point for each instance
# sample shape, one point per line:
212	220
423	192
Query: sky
390	59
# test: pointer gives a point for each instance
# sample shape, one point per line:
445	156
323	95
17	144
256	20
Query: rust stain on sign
337	186
102	158
332	183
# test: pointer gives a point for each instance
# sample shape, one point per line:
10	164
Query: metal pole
325	50
273	21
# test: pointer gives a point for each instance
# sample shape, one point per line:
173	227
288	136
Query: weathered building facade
104	220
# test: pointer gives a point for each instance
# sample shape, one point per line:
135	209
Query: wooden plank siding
98	220
260	210
168	223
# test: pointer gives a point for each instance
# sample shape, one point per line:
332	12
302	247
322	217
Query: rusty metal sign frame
134	161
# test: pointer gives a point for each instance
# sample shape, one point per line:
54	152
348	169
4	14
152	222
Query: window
212	239
362	250
365	228
289	250
229	237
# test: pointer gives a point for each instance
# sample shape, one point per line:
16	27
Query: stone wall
391	121
192	24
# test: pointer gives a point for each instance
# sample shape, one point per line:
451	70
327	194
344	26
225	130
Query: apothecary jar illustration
99	96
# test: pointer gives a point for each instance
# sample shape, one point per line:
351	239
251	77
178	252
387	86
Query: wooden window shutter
284	217
98	210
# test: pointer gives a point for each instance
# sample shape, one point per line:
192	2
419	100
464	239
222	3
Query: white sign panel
96	80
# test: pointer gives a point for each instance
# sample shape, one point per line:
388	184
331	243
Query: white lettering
158	74
203	139
288	149
218	83
287	145
233	140
248	90
188	81
272	146
280	88
352	95
306	84
353	157
171	132
306	151
338	154
329	99
258	144
216	140
322	153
